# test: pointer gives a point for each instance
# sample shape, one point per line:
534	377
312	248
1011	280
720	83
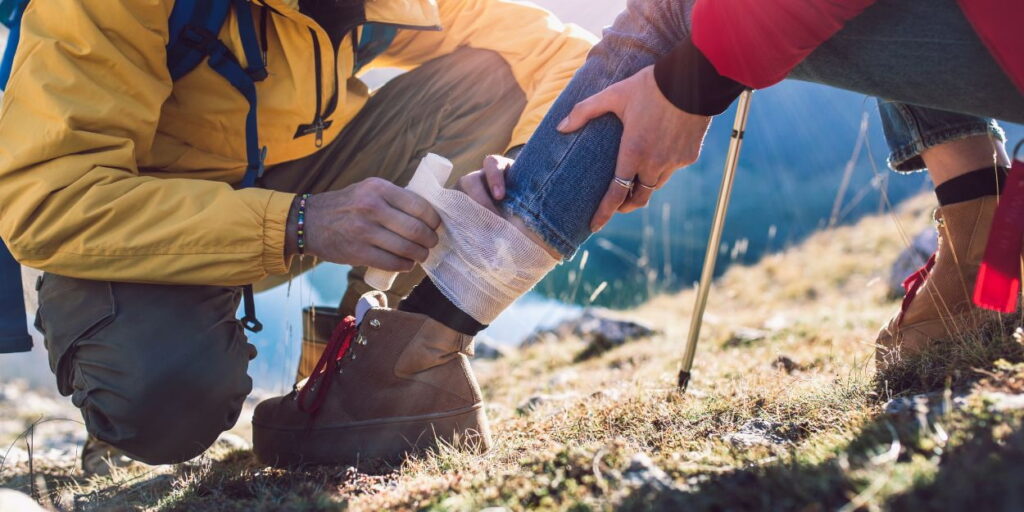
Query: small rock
926	405
761	433
1005	401
12	391
911	259
231	442
603	333
609	394
786	364
536	401
13	500
777	322
744	336
562	378
487	348
924	409
538	338
13	455
643	472
600	331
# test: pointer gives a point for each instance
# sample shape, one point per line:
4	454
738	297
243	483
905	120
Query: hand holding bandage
371	223
433	170
482	262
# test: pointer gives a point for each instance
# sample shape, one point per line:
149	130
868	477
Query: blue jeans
890	51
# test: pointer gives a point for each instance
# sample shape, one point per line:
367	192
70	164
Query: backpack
193	27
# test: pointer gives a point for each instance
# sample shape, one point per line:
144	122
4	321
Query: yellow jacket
110	171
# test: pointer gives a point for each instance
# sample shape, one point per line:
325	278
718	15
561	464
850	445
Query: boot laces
320	380
912	285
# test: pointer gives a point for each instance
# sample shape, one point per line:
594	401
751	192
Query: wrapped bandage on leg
482	262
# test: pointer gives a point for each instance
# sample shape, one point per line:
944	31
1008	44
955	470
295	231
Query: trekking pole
718	224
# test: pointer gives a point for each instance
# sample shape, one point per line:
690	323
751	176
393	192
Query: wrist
295	233
291	232
690	82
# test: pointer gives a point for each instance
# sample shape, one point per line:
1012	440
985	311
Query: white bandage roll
433	169
482	262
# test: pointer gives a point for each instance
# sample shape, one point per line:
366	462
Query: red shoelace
320	380
913	284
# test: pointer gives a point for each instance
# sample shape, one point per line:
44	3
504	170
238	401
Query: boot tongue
370	300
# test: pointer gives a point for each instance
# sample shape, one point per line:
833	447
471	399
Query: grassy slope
824	301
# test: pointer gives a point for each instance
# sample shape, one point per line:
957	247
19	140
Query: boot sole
388	439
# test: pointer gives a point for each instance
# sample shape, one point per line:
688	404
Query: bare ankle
956	158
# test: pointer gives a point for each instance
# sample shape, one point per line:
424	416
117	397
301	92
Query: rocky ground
785	412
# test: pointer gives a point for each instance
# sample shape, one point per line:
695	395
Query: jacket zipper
264	17
320	121
319	124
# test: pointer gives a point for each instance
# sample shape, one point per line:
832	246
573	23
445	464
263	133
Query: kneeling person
124	185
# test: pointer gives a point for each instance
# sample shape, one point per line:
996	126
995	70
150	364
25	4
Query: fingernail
563	124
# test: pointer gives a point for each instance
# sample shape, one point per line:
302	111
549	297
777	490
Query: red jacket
758	42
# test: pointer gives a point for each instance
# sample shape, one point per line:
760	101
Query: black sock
987	181
426	299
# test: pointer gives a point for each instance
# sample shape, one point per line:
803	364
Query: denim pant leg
558	180
921	52
909	130
935	79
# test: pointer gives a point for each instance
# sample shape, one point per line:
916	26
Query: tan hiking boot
398	383
99	457
939	302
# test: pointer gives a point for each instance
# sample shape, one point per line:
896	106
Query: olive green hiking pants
159	371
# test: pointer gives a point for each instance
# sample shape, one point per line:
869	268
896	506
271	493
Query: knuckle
372	184
362	230
426	235
423	210
365	204
381	183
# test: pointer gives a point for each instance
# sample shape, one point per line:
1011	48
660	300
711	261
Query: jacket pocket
71	310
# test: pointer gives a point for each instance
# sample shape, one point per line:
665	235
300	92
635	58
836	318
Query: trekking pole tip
684	380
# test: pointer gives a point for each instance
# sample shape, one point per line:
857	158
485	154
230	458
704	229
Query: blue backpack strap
10	17
193	34
373	41
257	69
14	335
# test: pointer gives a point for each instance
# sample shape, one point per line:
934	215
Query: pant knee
167	420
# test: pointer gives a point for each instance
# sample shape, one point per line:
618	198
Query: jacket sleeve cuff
275	219
690	82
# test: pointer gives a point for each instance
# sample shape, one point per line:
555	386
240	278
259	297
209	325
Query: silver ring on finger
648	187
627	184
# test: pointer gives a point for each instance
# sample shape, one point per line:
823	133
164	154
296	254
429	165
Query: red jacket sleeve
758	42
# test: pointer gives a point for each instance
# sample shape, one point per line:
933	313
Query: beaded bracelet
301	235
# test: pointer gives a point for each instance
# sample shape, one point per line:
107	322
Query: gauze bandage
482	262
